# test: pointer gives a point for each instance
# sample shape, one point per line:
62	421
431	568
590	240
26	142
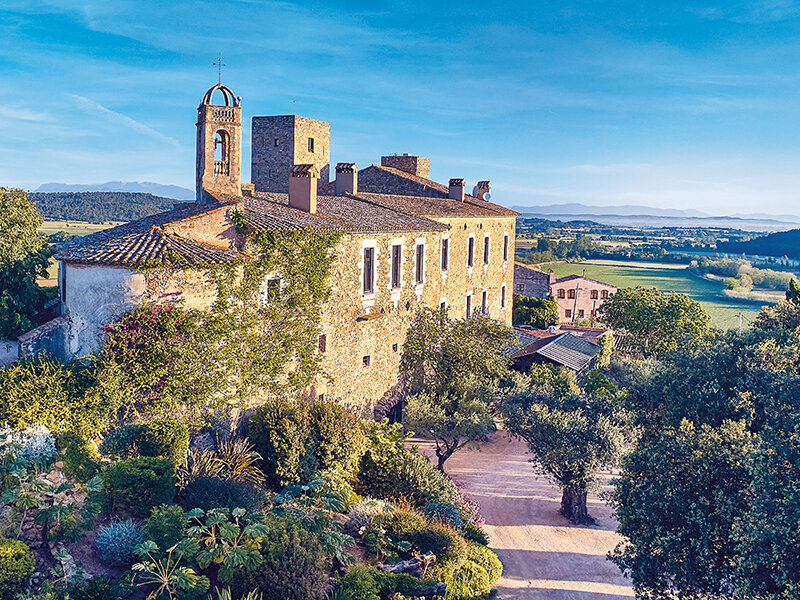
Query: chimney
457	189
483	190
584	273
346	179
551	275
303	188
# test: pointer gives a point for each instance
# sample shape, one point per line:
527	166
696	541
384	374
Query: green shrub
58	395
165	437
363	511
136	485
445	513
335	483
483	556
165	526
335	435
212	492
467	581
475	533
445	542
96	588
295	566
388	470
399	583
359	584
121	441
403	524
115	543
279	432
81	459
16	566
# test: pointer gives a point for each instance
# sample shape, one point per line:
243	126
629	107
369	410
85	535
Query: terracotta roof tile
145	241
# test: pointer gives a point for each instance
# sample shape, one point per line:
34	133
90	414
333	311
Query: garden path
544	557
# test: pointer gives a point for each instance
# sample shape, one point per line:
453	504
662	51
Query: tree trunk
573	507
441	457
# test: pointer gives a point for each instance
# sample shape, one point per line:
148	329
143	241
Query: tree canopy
535	312
653	322
24	256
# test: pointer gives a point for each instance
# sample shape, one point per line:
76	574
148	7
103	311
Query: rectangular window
484	302
594	295
486	250
503	297
520	287
469	307
471	252
580	313
420	266
445	254
321	397
396	265
277	142
442	306
369	270
323	343
505	247
394	347
561	293
365	361
311	144
568	313
604	294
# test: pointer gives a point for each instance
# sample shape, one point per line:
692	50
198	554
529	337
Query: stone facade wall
214	227
530	282
584	303
379	181
357	326
49	338
416	165
271	163
95	296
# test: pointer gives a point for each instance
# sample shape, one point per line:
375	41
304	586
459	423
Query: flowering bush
34	444
363	512
468	507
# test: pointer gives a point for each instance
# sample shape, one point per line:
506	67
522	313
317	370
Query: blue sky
668	104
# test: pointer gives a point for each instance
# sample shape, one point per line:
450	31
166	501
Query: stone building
576	296
407	243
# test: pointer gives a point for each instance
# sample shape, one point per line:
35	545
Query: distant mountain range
647	216
148	187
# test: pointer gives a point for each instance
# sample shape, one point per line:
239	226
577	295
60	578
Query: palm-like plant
168	576
239	460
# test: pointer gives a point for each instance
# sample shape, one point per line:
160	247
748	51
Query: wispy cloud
24	114
91	107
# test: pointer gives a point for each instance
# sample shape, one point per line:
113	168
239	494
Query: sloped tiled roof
569	350
271	211
146	241
432	201
574	277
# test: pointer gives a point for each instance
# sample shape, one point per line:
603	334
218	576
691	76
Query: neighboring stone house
578	297
531	282
408	243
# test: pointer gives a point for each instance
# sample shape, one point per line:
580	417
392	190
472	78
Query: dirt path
544	557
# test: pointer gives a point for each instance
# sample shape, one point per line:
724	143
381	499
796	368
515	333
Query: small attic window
277	142
311	144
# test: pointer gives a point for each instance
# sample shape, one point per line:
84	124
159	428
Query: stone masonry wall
271	163
530	282
358	326
416	165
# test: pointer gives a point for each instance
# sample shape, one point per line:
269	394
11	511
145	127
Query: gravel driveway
544	557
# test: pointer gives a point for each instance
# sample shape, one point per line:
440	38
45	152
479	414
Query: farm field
666	277
74	227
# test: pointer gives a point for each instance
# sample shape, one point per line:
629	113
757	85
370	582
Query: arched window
604	294
594	294
221	153
571	294
561	293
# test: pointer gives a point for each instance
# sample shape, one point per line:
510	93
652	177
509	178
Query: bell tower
219	144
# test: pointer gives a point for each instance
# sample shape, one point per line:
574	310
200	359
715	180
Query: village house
570	346
407	243
577	296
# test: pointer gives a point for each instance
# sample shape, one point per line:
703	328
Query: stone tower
280	142
219	144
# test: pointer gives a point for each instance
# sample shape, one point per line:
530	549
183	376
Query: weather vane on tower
219	64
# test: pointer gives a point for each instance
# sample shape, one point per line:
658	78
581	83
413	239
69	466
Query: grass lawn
74	227
668	278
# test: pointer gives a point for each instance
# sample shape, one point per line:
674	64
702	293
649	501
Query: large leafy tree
452	368
653	322
536	312
24	256
708	499
572	436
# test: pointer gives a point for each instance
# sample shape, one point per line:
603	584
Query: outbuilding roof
563	348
